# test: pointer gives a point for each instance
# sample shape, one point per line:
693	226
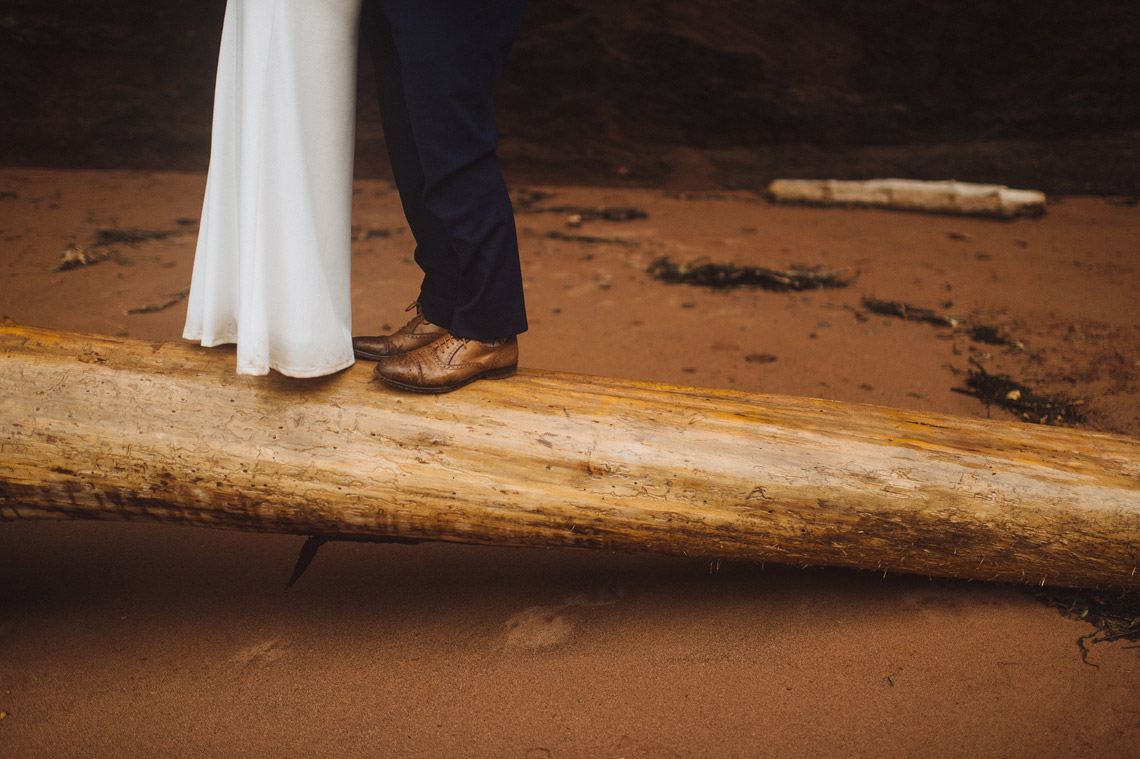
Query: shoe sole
506	371
366	356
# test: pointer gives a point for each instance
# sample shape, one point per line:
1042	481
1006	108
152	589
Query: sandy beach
142	640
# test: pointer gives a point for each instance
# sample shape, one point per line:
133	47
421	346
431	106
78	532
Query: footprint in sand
548	626
262	653
538	627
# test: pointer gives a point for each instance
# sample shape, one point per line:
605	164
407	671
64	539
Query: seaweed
760	358
173	300
1115	617
75	256
979	333
525	198
131	236
588	239
907	312
579	214
1002	391
725	276
986	333
360	234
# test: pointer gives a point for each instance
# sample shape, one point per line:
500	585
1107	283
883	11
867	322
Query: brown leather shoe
449	364
415	334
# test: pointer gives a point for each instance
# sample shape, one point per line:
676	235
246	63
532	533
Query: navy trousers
437	65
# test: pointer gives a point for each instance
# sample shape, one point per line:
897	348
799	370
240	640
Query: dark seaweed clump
906	311
1115	617
1032	406
131	236
726	276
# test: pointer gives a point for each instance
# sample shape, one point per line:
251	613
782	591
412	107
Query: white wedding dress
271	271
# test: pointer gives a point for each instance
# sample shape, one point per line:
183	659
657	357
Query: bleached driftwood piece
120	429
912	195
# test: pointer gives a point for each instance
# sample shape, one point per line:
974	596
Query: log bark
119	429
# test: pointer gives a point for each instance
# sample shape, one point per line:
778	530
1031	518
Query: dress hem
260	370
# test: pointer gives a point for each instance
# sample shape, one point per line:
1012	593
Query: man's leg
449	55
433	254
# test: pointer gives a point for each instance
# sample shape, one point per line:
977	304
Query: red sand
143	640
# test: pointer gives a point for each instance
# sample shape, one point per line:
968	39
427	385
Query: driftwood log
947	196
119	429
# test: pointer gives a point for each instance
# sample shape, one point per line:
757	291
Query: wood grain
118	429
